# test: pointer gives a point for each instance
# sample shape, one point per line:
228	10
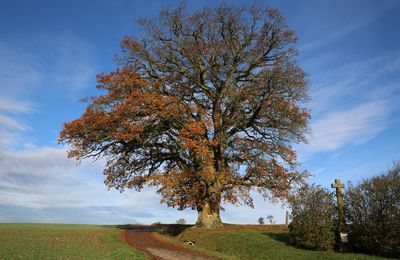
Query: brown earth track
157	249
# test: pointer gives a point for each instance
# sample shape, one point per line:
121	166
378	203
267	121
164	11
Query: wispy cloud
14	106
352	103
356	82
361	21
39	64
74	62
9	123
20	70
73	214
356	125
43	62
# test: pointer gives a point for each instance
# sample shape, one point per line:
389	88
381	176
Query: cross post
339	186
287	219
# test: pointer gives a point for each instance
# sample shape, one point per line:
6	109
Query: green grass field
62	241
252	242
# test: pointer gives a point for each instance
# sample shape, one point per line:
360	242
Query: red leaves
129	43
194	138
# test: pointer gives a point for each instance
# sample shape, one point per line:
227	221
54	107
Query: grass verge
251	242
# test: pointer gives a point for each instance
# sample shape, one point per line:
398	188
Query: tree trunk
208	216
208	211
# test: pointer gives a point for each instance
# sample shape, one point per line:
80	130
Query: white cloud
41	184
15	106
352	103
9	123
356	125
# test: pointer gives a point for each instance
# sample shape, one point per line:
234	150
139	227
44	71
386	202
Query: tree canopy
203	106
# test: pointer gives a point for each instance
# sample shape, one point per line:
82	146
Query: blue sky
50	52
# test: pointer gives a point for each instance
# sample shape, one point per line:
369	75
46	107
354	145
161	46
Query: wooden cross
339	186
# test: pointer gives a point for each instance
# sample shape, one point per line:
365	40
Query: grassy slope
61	241
252	242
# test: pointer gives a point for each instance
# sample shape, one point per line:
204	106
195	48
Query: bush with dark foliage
313	218
373	212
181	221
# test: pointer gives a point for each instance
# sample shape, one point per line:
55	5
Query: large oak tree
203	107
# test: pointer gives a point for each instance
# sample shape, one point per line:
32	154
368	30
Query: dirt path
146	241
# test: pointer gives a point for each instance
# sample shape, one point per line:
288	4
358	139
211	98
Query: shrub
261	220
271	219
181	221
373	211
313	218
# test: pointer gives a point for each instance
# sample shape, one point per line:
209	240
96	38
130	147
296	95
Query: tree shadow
173	229
165	229
281	237
137	227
